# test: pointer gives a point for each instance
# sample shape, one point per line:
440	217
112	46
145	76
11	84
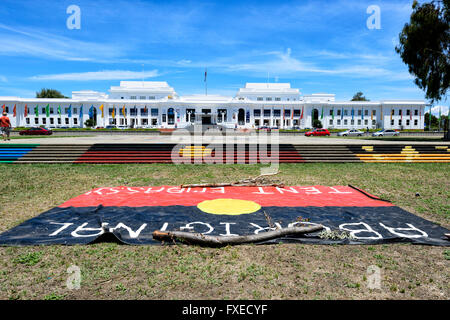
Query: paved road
212	139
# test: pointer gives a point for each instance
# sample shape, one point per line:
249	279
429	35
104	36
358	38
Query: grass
281	271
40	137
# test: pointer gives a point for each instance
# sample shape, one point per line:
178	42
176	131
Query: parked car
110	127
351	132
388	132
318	132
36	131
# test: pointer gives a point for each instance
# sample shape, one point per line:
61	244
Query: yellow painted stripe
441	147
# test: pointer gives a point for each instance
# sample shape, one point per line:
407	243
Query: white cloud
3	79
27	42
98	75
444	110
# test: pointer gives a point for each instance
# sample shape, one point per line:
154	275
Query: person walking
5	126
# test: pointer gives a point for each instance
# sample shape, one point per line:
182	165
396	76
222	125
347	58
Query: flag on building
113	114
362	113
332	113
25	111
371	115
4	108
321	115
91	112
353	113
69	111
205	75
123	111
59	109
14	111
81	112
392	113
101	108
292	113
301	116
342	113
47	110
36	110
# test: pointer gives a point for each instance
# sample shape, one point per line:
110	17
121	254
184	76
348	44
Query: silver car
351	132
387	132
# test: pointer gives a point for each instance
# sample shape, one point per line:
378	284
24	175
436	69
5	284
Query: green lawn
283	271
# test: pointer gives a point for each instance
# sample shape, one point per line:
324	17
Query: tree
50	93
317	124
359	97
89	123
424	46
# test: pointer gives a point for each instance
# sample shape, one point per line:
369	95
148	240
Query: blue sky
317	46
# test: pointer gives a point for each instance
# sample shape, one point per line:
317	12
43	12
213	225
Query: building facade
151	104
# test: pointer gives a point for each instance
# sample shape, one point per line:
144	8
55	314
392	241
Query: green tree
359	97
49	93
317	123
424	46
89	123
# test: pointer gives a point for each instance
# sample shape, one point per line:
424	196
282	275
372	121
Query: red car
318	132
36	131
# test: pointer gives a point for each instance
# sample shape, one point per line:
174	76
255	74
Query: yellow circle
228	206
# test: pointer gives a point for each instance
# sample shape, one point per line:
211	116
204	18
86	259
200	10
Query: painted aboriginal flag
131	214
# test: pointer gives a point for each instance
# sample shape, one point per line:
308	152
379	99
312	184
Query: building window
142	97
144	122
345	122
400	122
345	112
267	113
287	113
408	112
154	112
75	110
374	112
144	112
366	122
151	98
164	117
121	97
44	121
110	110
400	112
221	115
277	99
331	112
352	122
374	122
359	122
75	121
51	110
276	112
416	112
331	122
67	120
269	99
36	120
392	122
407	122
27	120
154	122
416	122
359	112
133	112
259	98
296	112
339	112
59	121
257	113
43	110
133	97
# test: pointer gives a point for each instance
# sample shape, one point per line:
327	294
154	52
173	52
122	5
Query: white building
148	104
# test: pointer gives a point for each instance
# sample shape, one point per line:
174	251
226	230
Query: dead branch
198	238
258	181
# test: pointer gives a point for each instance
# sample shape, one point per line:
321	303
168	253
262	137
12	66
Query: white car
351	132
387	132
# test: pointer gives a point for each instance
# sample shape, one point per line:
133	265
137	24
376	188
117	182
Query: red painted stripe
296	196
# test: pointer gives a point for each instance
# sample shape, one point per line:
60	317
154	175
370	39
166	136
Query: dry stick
198	238
244	182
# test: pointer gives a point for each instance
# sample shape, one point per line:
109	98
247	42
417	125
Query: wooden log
201	239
